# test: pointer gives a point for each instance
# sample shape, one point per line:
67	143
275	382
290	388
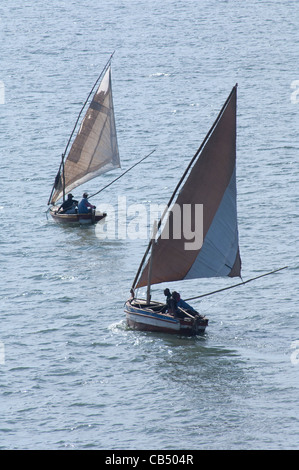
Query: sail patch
220	248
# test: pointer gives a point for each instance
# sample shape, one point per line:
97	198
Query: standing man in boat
171	303
84	206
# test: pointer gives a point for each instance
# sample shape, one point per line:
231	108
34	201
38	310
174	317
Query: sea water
72	376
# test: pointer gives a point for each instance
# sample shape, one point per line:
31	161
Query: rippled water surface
72	375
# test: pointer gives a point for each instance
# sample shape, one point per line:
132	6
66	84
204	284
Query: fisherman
167	294
84	206
181	303
69	206
171	304
177	306
182	306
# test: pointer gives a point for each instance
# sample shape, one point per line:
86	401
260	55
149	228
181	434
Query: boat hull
149	317
77	219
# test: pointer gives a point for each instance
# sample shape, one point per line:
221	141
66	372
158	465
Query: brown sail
208	197
95	149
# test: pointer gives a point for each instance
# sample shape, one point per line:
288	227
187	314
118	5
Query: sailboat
209	185
94	151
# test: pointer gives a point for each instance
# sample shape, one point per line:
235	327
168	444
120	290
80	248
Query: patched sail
95	149
208	195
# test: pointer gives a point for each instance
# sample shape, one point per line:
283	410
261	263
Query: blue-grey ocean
72	376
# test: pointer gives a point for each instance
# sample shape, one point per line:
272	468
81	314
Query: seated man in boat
181	303
183	306
84	206
176	306
69	206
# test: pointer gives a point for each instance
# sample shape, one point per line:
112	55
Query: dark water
72	375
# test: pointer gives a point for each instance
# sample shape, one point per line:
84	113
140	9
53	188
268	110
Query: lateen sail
95	149
212	183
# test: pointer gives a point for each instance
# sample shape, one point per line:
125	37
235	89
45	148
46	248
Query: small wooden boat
207	187
83	219
151	316
94	150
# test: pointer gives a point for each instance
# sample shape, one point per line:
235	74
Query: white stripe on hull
147	322
143	319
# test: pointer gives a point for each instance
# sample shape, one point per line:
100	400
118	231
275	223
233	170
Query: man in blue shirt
181	303
84	206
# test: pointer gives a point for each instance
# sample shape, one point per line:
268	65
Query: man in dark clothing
171	304
68	206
